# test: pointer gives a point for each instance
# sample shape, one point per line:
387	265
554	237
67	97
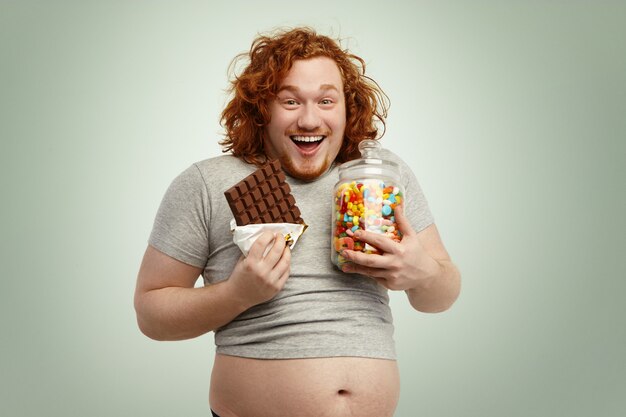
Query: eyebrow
295	89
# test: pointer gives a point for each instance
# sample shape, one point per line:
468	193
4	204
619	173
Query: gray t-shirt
321	311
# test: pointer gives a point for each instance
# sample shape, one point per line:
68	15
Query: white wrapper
245	236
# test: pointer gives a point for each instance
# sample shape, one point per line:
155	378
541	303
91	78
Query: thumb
403	223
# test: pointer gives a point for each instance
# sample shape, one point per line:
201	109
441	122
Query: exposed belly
319	387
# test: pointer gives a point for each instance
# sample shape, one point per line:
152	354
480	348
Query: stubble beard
304	174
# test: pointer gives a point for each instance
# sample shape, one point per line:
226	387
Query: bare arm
168	306
441	285
419	265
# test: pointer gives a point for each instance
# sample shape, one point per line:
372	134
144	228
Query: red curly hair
270	59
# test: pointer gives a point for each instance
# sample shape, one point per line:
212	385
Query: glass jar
365	198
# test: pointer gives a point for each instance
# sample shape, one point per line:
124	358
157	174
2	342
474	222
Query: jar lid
370	162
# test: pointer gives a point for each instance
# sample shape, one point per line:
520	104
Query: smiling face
308	118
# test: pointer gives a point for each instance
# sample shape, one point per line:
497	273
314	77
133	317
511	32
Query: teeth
307	138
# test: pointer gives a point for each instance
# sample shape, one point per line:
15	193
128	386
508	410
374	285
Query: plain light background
511	114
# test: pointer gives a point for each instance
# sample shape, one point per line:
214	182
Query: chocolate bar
263	197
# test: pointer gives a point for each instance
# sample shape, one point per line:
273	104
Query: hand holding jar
365	198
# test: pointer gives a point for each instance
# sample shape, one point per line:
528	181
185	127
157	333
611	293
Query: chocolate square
263	197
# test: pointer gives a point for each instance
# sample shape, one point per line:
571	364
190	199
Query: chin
304	173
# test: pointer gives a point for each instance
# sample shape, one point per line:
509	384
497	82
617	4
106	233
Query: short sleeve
416	206
417	211
180	228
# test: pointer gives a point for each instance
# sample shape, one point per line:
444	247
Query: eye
290	102
326	101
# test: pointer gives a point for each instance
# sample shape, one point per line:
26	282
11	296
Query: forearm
439	292
177	313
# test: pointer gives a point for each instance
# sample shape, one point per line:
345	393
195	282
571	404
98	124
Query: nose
309	118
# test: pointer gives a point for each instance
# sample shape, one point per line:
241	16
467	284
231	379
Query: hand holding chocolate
261	202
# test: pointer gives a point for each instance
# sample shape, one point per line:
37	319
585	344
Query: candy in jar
365	198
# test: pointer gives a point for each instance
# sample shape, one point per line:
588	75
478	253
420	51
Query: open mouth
307	143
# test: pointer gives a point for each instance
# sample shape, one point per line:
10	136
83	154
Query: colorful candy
366	205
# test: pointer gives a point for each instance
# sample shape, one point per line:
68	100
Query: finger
260	244
274	253
285	263
379	241
367	271
403	222
369	260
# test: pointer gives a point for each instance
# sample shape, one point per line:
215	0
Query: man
295	336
